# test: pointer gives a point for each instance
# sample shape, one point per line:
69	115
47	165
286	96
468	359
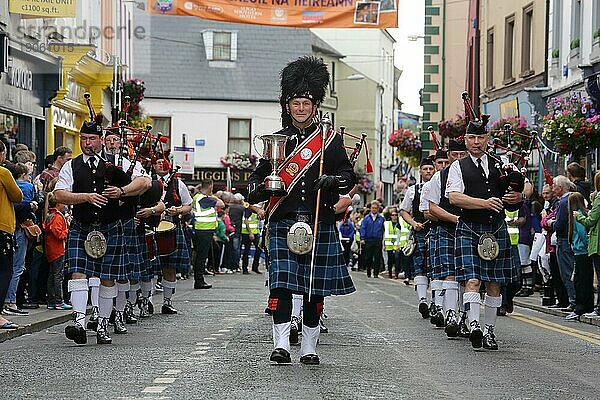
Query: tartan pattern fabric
180	259
292	271
443	265
468	263
133	250
432	243
149	267
419	255
109	266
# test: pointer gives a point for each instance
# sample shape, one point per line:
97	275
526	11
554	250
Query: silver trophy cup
274	151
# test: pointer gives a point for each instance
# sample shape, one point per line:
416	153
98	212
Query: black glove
327	182
257	193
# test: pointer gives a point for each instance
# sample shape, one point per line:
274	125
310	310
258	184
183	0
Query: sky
408	55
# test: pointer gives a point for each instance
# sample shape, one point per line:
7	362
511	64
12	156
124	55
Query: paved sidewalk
37	320
534	302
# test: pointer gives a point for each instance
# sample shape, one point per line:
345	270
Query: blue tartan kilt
292	271
432	244
444	253
111	265
468	263
180	259
150	266
419	255
133	250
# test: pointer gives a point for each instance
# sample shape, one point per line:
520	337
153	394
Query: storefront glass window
9	129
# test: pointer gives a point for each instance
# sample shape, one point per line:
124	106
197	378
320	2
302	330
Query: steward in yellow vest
391	242
251	236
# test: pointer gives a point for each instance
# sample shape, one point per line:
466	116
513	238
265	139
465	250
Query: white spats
472	301
421	283
94	284
281	336
79	295
310	337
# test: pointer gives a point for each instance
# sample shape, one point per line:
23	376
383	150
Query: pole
325	126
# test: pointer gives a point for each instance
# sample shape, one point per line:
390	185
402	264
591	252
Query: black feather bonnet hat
308	78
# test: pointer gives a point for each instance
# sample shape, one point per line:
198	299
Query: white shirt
409	196
424	202
434	193
65	176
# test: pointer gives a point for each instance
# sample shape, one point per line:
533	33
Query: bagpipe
357	148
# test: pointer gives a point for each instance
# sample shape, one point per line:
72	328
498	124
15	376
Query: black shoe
280	356
294	331
208	273
424	310
201	285
76	333
144	313
111	319
476	335
129	315
322	327
524	292
150	307
463	330
93	321
310	359
451	324
245	272
489	340
438	318
432	309
167	307
120	328
257	271
510	306
268	311
102	336
501	312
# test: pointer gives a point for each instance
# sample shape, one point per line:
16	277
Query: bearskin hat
307	77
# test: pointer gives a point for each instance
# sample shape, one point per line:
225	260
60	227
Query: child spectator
56	229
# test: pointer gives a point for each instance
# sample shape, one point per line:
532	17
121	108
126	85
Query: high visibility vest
357	231
205	219
253	223
513	231
404	233
391	236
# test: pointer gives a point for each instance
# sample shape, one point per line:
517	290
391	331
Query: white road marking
172	372
154	389
164	380
224	330
199	352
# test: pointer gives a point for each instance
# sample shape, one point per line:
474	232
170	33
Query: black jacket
335	163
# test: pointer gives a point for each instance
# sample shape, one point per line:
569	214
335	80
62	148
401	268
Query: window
575	21
222	46
557	25
162	125
527	41
596	16
489	75
509	36
239	135
332	78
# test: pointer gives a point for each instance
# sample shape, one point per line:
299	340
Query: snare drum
149	235
166	238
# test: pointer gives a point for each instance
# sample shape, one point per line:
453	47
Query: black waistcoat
127	205
85	181
417	215
478	186
444	202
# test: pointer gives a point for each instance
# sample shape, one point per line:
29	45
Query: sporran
95	244
300	238
488	248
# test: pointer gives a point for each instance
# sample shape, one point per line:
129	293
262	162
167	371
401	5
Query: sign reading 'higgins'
219	175
296	13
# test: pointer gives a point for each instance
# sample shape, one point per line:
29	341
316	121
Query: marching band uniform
474	184
303	86
81	183
409	209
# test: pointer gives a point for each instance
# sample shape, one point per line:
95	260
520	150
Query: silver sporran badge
95	244
409	247
300	238
488	248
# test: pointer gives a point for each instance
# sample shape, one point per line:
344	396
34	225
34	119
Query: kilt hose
292	271
443	265
419	259
180	259
110	266
468	263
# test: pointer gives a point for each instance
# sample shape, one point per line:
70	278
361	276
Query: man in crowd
371	237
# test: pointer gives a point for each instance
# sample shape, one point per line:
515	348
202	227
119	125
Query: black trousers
6	271
347	245
584	284
246	242
557	283
373	258
281	300
203	244
393	261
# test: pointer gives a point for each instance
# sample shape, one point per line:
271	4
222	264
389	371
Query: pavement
378	347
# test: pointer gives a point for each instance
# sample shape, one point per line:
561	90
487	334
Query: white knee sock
122	289
105	302
437	287
132	294
147	289
461	292
491	305
168	289
297	300
472	301
450	296
94	290
421	285
79	296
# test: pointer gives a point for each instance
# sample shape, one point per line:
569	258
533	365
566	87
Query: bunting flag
290	13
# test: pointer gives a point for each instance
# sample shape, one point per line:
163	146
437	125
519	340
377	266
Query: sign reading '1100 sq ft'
44	8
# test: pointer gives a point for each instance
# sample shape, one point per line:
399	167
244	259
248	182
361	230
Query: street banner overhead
291	13
43	8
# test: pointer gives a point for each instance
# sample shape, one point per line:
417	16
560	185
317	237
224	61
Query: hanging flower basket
237	160
453	128
517	140
572	124
406	143
365	185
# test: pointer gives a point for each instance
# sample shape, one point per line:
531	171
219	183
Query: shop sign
21	78
219	176
44	8
64	118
